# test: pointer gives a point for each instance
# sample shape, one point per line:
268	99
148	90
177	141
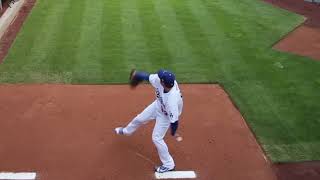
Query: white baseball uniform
165	109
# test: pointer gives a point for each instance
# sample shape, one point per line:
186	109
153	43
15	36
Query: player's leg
161	127
146	115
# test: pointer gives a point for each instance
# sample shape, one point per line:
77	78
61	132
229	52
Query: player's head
167	78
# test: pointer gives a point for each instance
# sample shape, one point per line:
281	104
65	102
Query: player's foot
119	130
163	169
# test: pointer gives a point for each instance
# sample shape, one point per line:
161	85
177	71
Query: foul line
16	176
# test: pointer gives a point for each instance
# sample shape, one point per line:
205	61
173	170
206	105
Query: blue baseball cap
167	77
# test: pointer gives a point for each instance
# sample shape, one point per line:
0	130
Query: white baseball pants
159	131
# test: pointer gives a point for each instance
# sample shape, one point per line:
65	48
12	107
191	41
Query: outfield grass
203	41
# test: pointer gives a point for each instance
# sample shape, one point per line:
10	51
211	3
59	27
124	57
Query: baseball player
165	110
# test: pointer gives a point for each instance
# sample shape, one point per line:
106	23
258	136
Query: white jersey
170	103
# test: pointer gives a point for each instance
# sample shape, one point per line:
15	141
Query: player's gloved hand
136	77
174	127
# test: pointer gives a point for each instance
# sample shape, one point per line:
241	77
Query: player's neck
166	90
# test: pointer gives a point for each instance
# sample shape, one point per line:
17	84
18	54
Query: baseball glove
133	80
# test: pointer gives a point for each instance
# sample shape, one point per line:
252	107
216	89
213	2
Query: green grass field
202	41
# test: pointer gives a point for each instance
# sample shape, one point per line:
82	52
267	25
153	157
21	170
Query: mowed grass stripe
62	56
222	49
172	32
204	57
247	12
113	67
135	50
152	31
241	26
46	39
88	57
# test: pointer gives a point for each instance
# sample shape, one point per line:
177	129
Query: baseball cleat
119	130
163	169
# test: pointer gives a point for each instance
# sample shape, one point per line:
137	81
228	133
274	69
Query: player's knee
156	139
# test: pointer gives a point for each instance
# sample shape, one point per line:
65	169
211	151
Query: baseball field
229	43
